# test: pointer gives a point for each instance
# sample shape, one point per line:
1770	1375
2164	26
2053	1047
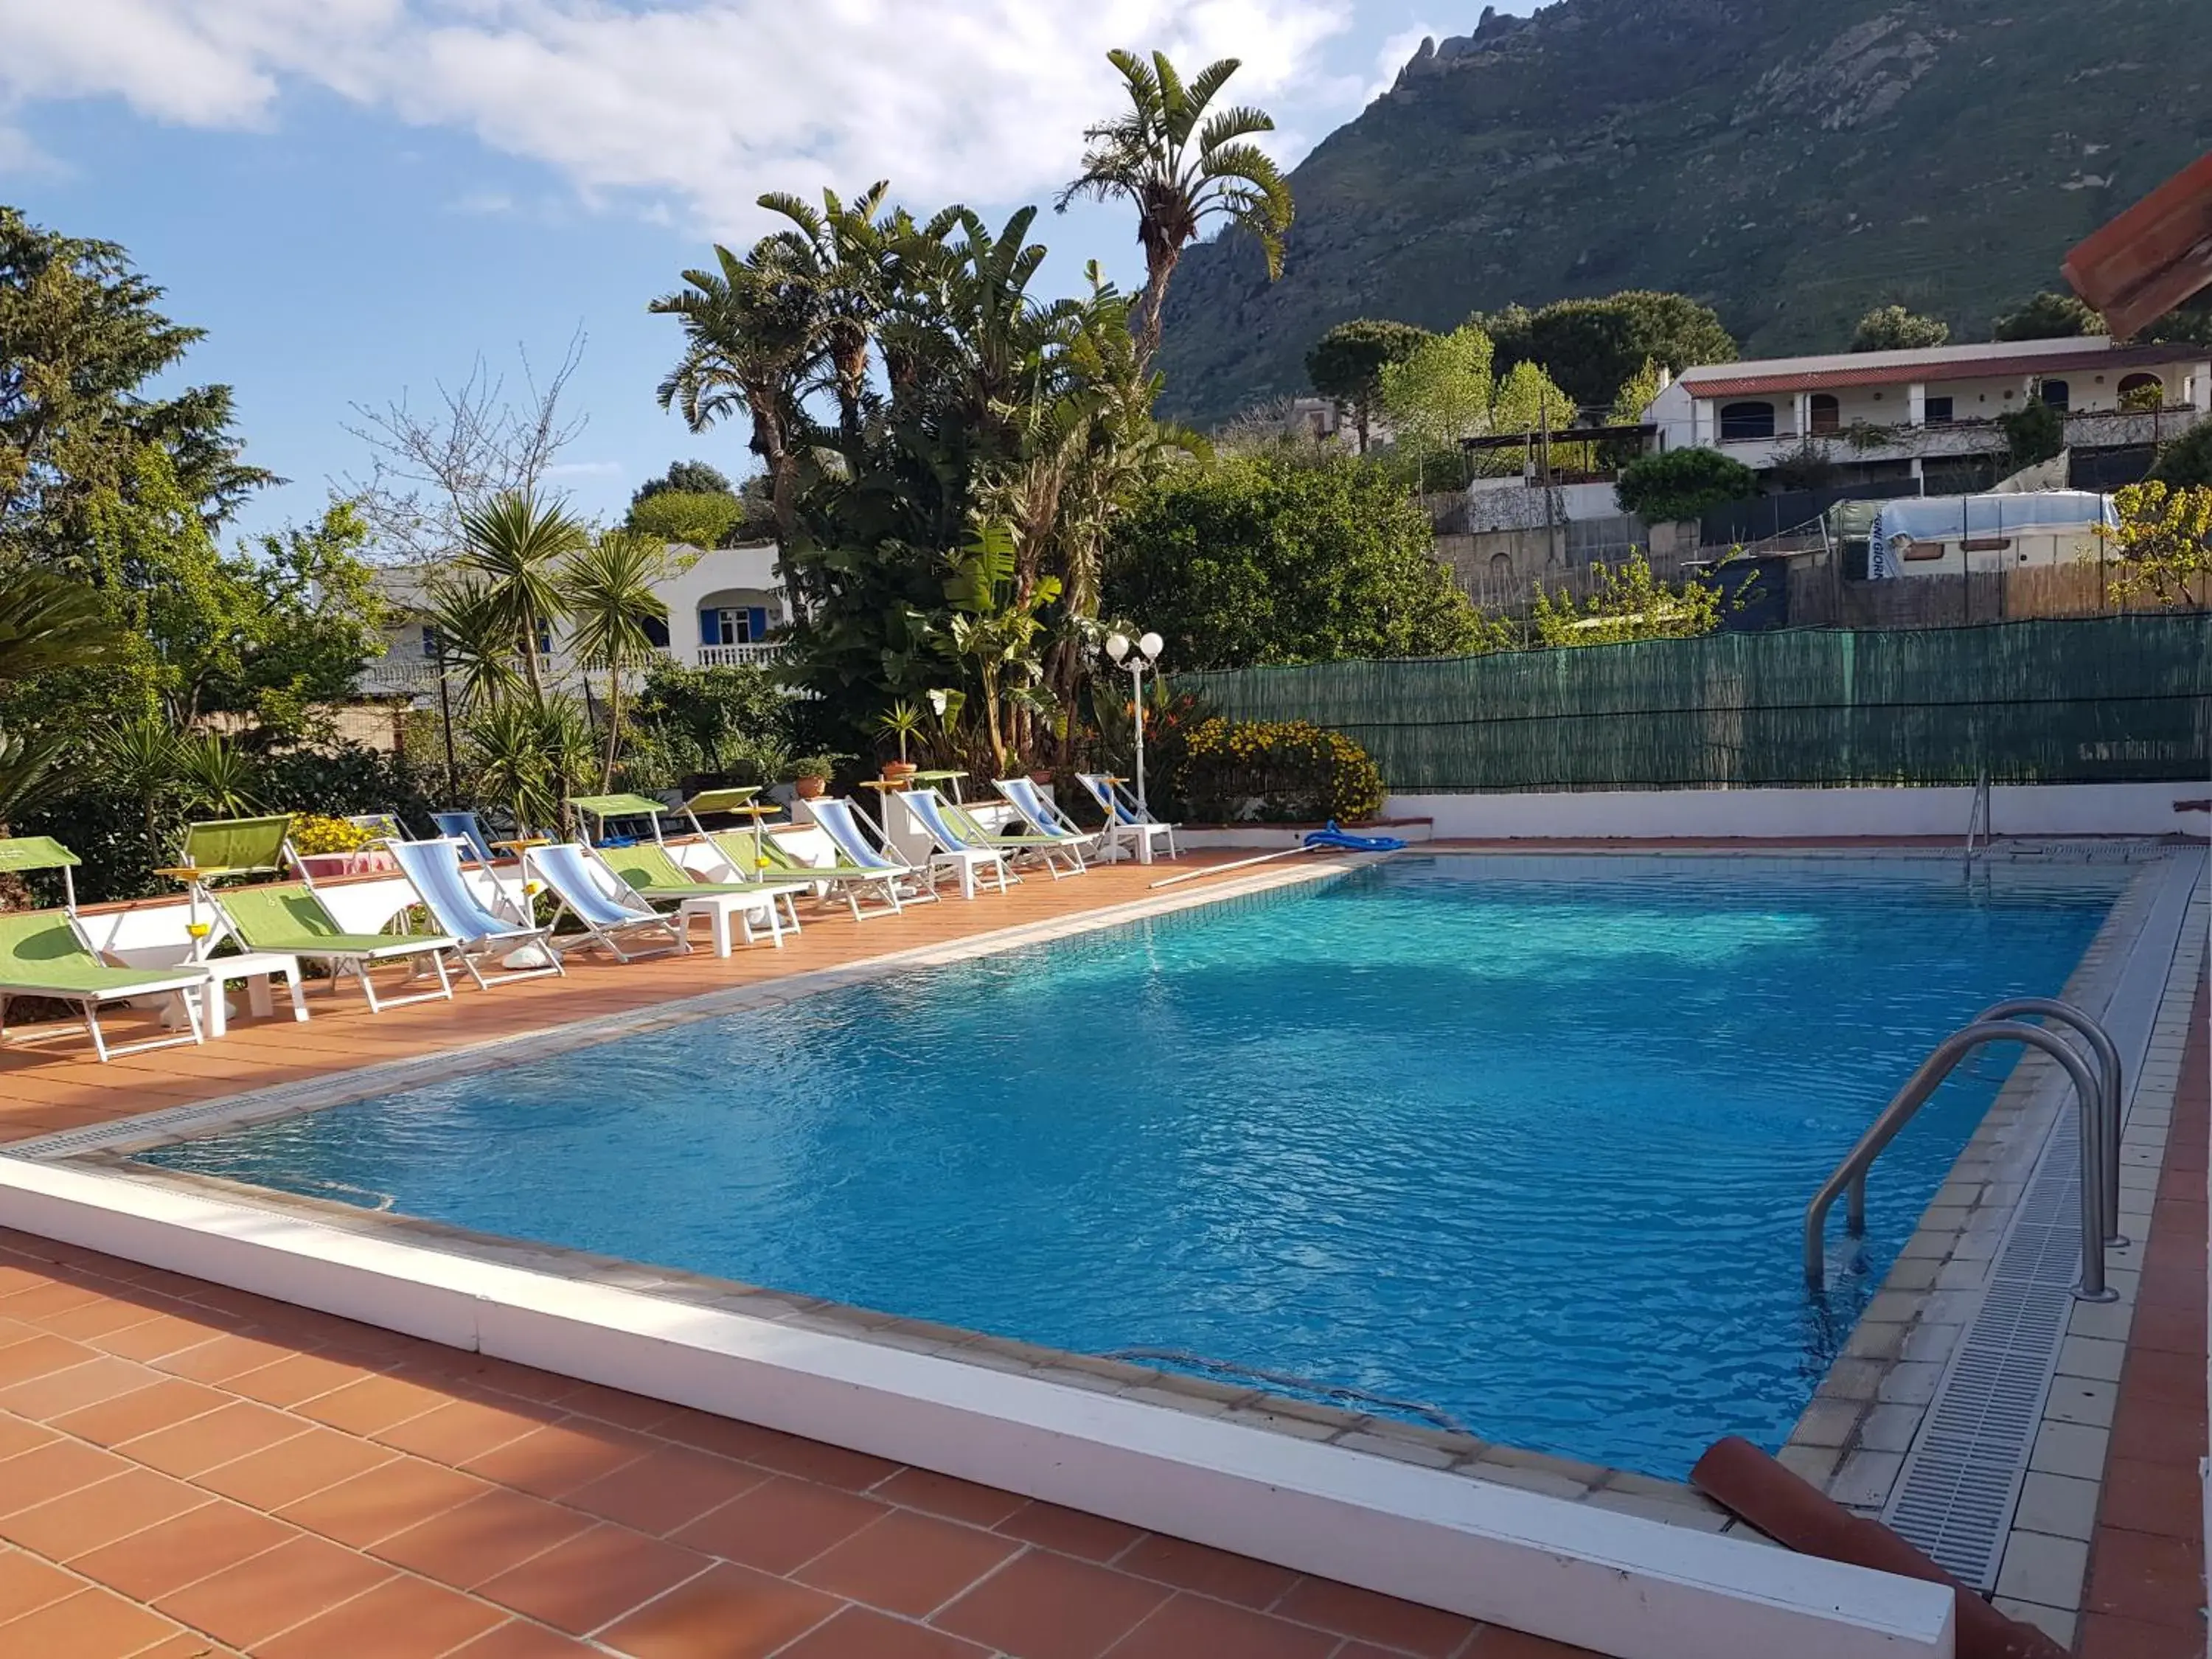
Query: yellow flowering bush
1277	772
312	833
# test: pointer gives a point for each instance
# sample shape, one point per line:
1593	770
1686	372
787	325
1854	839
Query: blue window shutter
709	629
757	620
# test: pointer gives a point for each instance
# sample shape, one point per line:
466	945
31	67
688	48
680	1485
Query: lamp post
1145	653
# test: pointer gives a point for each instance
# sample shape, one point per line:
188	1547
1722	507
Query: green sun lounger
655	877
42	955
287	919
842	877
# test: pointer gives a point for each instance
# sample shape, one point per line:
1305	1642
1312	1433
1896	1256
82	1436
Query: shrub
312	833
2187	460
1262	560
1277	772
1683	483
2036	433
692	518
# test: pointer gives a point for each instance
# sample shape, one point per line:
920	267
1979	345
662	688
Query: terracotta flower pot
808	788
899	771
1041	777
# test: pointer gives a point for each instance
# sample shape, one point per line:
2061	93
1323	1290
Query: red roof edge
2151	258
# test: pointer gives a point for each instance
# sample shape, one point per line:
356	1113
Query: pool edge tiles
1441	1450
343	1085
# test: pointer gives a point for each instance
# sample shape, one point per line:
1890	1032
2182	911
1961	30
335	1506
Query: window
1826	413
1937	412
429	640
656	631
2141	391
2057	394
1746	423
734	624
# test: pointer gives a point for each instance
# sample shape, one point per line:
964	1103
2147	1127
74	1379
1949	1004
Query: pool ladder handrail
1979	813
2092	1094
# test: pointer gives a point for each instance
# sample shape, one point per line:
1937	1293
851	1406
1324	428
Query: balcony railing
739	656
409	676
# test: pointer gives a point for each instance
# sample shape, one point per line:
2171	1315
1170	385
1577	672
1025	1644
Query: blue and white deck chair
841	820
467	829
603	904
961	847
1126	821
498	930
1042	815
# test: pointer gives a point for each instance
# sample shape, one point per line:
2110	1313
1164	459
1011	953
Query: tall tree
845	257
608	590
431	466
751	336
81	347
1893	328
1346	364
1590	347
1179	168
1441	391
685	477
2047	316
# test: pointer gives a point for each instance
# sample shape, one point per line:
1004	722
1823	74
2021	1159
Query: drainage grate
1956	1493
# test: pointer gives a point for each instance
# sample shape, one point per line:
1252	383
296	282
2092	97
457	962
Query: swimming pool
1526	1141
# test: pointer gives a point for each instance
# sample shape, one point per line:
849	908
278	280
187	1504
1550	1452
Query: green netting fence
2098	700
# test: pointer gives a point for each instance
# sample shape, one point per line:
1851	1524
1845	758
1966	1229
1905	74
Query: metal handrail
1979	810
2114	1077
1914	1095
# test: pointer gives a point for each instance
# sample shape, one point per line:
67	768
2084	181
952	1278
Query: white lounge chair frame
1125	820
462	913
602	903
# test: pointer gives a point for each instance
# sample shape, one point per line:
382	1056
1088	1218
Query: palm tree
752	337
141	759
47	623
474	637
845	257
608	590
511	547
1180	168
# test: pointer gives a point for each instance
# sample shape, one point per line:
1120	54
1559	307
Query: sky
358	198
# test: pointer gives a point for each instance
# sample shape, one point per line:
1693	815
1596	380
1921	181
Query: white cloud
695	105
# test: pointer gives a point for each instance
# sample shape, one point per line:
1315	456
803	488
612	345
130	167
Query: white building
1875	407
722	605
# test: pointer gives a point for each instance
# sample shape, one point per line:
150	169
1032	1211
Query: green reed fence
2099	700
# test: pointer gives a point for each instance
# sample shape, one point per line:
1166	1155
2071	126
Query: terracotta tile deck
192	1470
188	1470
2145	1590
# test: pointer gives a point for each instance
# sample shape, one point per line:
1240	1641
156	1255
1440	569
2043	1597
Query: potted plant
810	774
902	720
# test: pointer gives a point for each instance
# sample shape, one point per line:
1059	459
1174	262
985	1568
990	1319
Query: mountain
1792	163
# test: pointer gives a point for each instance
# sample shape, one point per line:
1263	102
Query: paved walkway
2146	1592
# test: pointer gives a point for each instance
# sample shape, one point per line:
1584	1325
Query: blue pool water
1529	1142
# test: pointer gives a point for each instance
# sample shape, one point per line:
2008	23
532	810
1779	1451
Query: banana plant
996	625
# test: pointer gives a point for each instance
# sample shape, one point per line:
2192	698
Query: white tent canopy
1953	518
